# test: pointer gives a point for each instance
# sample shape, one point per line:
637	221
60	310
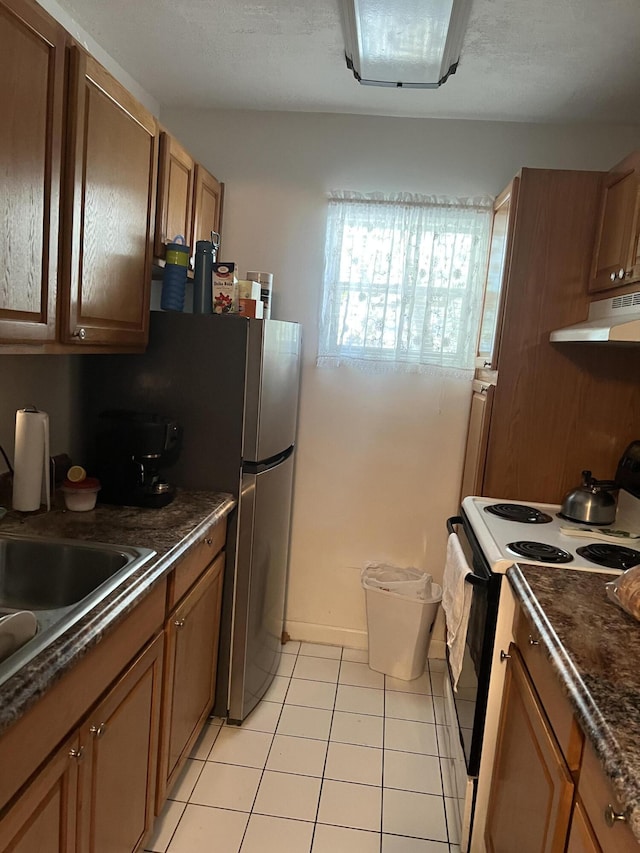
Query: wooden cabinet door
192	634
174	214
615	258
207	206
32	54
43	820
531	788
581	836
477	439
118	775
504	212
110	188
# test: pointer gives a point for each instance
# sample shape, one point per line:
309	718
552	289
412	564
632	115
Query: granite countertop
594	647
170	531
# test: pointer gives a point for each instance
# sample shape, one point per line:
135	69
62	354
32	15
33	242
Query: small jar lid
89	483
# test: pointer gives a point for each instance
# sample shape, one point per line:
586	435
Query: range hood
616	320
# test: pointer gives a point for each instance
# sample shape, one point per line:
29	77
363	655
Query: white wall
379	456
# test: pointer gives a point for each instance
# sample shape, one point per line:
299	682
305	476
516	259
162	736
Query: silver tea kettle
591	503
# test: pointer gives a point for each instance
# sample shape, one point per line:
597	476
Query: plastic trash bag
403	582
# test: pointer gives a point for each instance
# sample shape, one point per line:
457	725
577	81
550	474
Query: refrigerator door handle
266	464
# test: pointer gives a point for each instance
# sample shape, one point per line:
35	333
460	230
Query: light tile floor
335	759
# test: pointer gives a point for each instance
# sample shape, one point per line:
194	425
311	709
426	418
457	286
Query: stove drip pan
519	512
540	552
610	556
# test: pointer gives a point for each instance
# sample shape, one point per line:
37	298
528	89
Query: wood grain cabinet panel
192	633
207	205
118	773
110	192
32	55
477	439
174	215
531	789
616	256
581	837
43	820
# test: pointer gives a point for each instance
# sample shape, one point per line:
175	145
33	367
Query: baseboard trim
308	632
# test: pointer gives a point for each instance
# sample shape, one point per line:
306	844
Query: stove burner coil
519	512
609	555
540	552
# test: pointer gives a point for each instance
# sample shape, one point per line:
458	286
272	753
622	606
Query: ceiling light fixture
413	44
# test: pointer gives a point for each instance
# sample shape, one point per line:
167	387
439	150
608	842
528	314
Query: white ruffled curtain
403	281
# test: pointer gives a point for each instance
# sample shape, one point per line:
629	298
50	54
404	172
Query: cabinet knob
504	656
179	623
98	731
80	333
208	541
484	389
487	364
78	754
621	273
533	641
611	815
613	276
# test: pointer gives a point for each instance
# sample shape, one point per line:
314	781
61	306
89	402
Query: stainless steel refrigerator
232	383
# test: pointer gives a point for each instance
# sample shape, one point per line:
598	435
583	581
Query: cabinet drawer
597	795
555	703
188	570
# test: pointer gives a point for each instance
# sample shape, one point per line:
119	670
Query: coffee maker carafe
132	449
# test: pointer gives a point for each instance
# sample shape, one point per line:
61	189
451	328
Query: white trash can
401	608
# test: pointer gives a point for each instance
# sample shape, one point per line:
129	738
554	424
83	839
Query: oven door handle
473	579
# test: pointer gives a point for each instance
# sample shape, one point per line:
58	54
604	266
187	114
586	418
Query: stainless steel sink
60	580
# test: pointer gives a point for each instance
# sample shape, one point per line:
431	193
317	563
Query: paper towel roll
31	460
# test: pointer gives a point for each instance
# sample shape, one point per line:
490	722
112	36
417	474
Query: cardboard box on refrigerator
225	288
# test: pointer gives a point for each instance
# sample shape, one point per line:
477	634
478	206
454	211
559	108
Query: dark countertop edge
54	661
589	716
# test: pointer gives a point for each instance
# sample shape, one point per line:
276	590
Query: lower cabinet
192	631
532	789
96	792
549	792
43	820
119	744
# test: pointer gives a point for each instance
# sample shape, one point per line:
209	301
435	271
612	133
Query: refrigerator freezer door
271	406
261	576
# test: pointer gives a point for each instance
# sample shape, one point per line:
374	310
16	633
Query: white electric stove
509	532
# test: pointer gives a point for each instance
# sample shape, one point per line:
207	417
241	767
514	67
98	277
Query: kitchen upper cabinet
477	438
189	198
176	179
192	632
208	198
504	211
532	789
616	256
118	768
110	195
44	818
32	67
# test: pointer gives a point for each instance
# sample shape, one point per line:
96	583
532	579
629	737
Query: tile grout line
264	766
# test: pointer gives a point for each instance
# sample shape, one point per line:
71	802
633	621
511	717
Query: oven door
465	709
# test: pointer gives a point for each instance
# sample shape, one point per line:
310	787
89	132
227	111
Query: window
403	281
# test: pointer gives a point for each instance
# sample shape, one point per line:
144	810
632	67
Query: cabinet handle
98	731
79	333
504	656
78	754
611	815
208	541
533	641
487	364
179	623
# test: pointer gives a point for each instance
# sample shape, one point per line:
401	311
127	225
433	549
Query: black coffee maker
132	448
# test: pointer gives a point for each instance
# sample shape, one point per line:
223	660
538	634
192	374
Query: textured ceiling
522	60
